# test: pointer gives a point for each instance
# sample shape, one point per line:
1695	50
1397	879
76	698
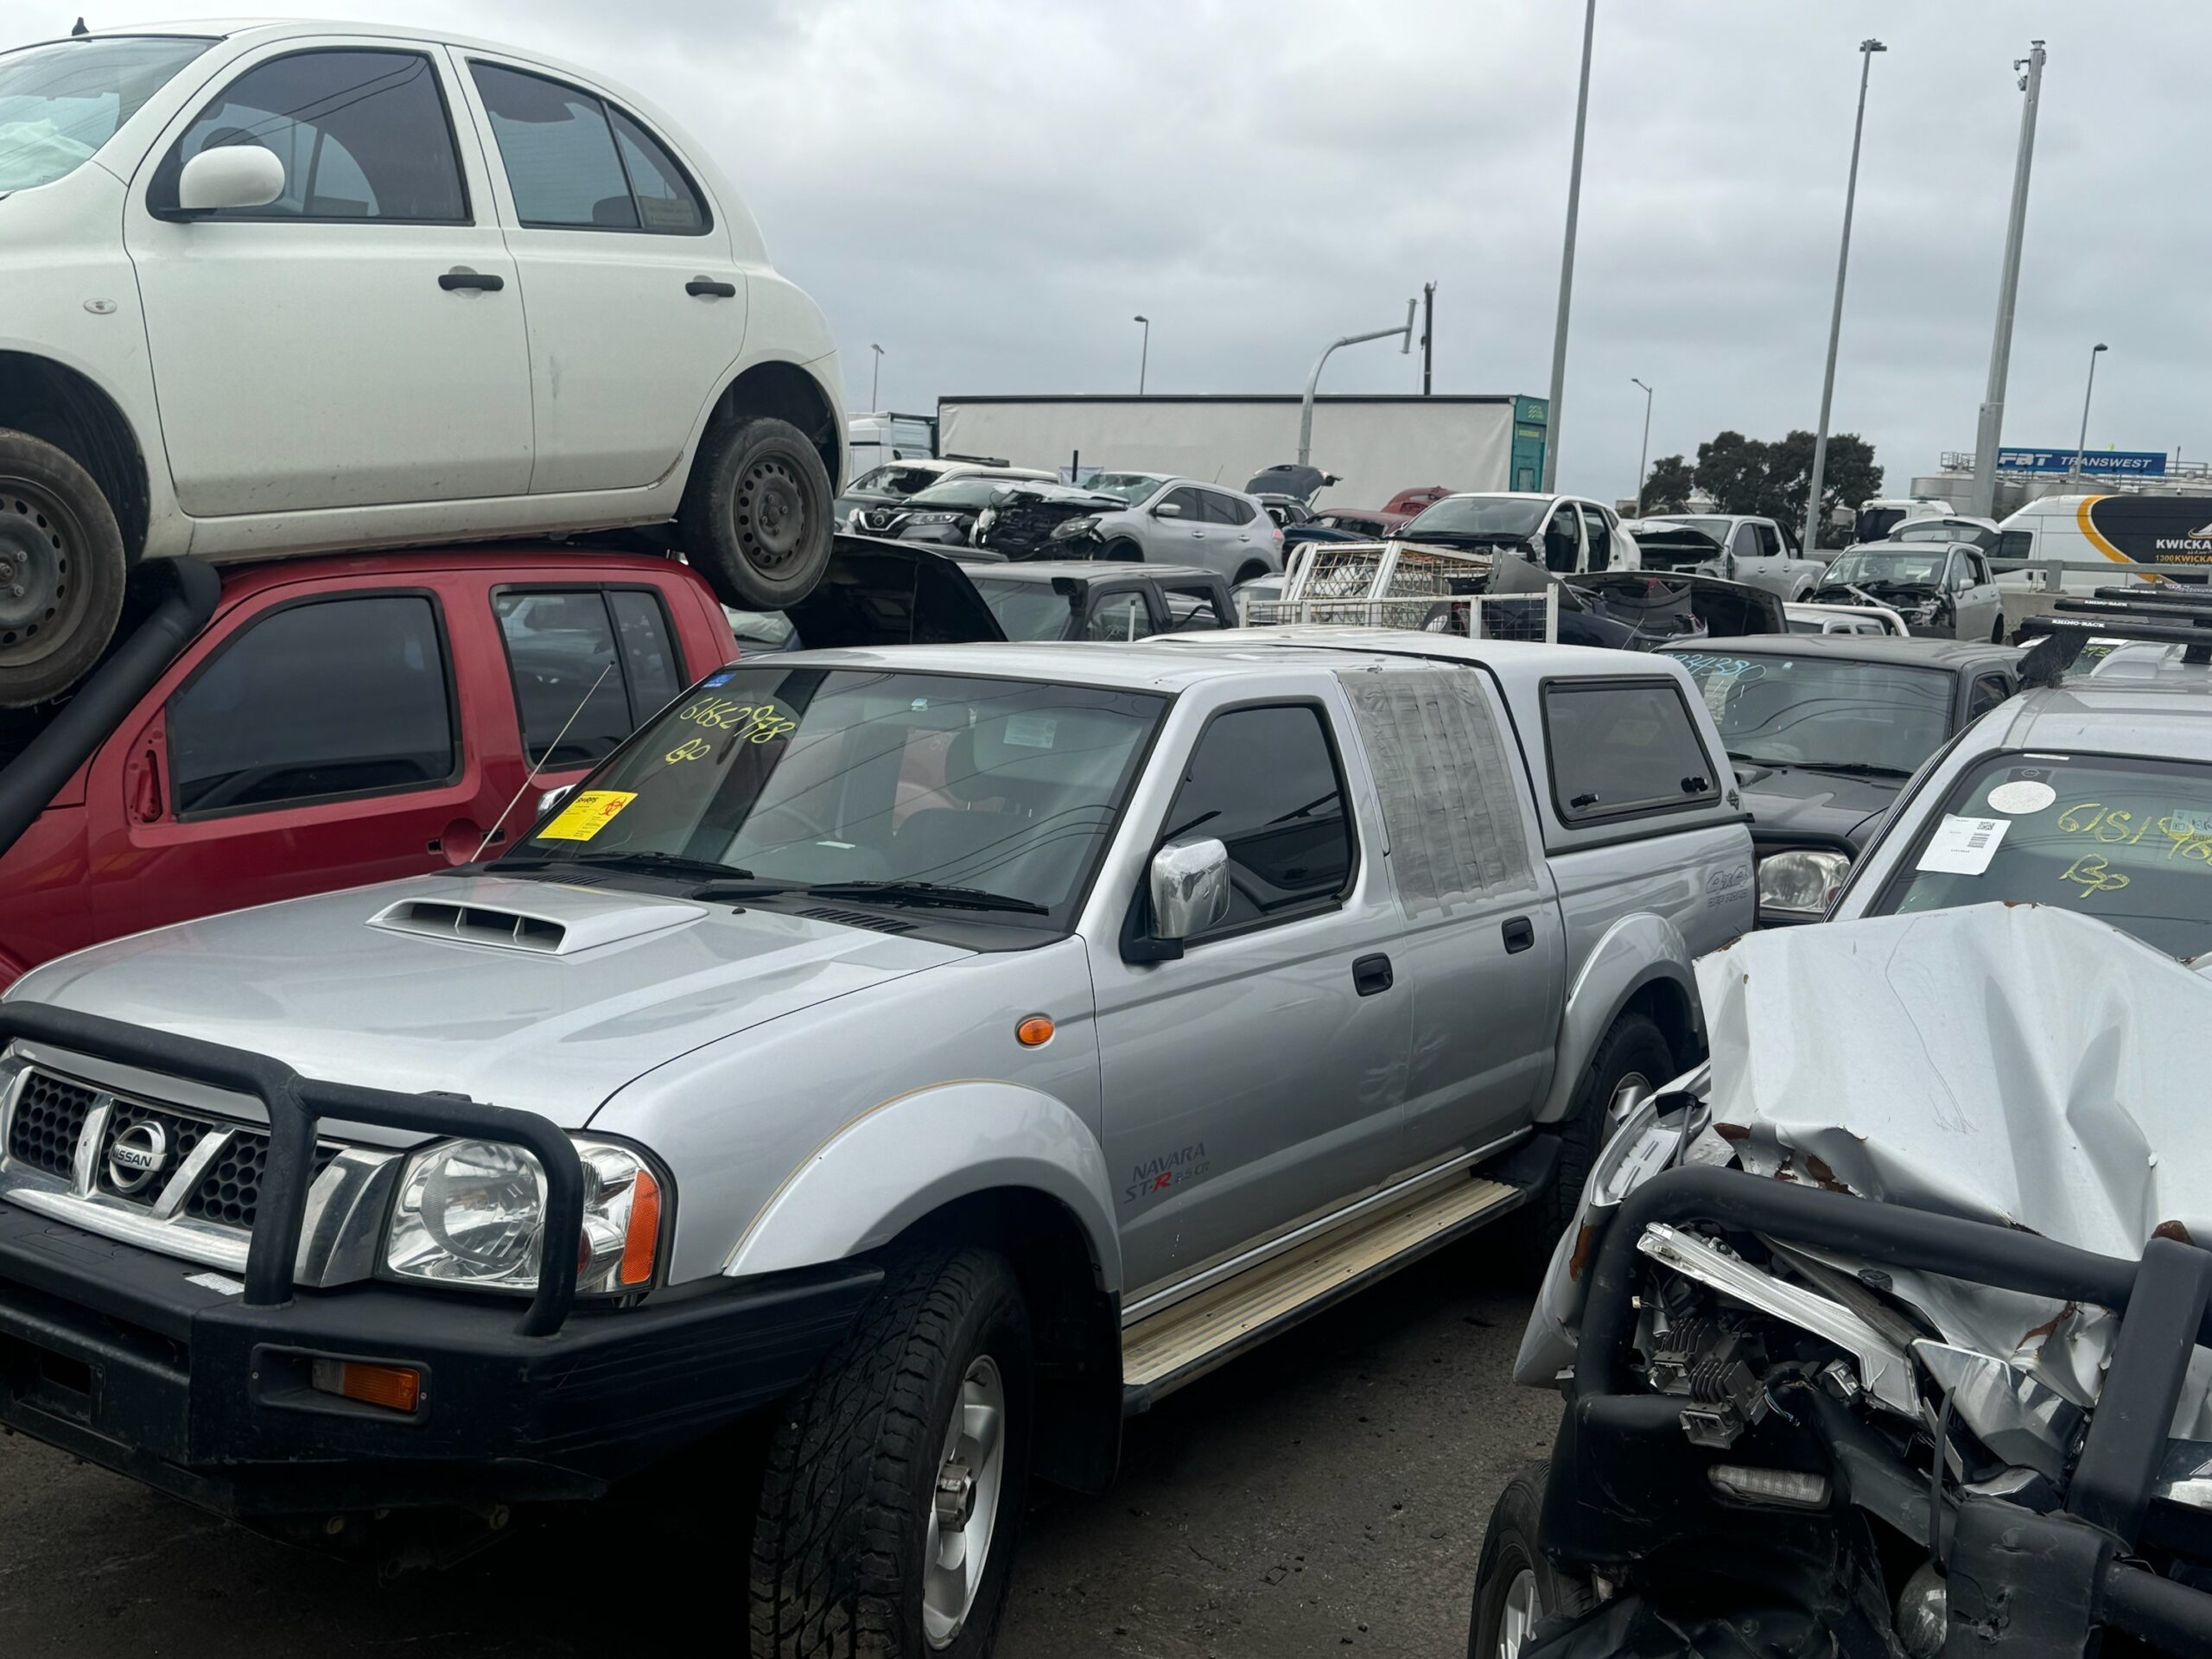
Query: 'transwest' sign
2133	463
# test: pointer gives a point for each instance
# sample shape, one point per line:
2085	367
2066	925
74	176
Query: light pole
1989	431
1866	51
1643	456
2083	442
876	378
1144	351
1566	257
1313	380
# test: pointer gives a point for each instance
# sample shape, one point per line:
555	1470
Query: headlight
1073	527
1798	883
472	1212
932	517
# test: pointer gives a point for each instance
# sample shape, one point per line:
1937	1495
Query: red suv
350	719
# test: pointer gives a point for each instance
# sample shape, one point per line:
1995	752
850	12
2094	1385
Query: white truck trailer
1376	445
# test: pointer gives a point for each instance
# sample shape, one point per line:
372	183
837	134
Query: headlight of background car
472	1212
1068	527
1798	883
932	517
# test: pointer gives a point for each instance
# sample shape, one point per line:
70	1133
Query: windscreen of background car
60	103
2126	841
814	775
1027	610
1131	487
1909	569
1479	515
894	480
1819	710
957	492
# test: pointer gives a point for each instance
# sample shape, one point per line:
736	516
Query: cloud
991	188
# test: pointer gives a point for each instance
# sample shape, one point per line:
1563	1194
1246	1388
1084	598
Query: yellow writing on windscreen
587	815
753	722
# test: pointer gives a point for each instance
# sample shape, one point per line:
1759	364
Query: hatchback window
339	697
362	135
1621	747
61	102
577	700
1264	783
573	163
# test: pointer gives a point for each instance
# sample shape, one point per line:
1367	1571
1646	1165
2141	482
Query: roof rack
2164	618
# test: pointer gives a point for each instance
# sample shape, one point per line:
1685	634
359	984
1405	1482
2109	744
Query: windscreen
1479	515
799	777
1131	487
60	103
1922	568
895	479
2126	841
1820	712
969	492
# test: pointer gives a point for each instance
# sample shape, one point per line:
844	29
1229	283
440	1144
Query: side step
1179	1345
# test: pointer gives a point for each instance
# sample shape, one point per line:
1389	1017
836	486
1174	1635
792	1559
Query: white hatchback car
277	288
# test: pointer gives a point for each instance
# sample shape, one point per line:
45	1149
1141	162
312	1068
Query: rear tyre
1122	550
1631	1061
892	1498
756	517
61	571
1251	572
1514	1585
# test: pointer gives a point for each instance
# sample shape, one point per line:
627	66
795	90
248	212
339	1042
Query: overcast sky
992	189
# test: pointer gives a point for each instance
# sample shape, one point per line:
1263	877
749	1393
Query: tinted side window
667	200
1622	747
1264	782
1225	509
1989	690
1744	544
1187	499
569	689
362	135
343	697
1770	541
558	150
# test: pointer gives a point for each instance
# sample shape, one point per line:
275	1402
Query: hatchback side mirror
1190	888
230	176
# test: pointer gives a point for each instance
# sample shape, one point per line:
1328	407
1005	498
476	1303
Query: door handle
700	287
1520	933
484	281
1372	974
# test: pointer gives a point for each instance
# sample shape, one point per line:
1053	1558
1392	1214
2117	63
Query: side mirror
230	176
553	798
1190	888
1168	510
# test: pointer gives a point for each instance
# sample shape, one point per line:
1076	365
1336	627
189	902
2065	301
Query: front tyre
1632	1060
61	571
892	1498
756	517
1515	1586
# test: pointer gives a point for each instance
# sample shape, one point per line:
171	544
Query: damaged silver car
1879	1332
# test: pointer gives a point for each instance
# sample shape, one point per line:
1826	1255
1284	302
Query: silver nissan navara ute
898	1064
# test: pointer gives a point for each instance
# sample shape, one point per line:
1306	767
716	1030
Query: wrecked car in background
1879	1332
1755	551
1943	590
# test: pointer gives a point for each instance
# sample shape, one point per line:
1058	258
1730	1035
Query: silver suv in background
1177	521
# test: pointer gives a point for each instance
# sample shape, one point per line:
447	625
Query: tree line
1764	480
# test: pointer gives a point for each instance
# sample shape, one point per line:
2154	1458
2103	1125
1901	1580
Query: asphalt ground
1323	1495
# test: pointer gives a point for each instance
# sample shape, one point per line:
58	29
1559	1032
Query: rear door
313	740
636	312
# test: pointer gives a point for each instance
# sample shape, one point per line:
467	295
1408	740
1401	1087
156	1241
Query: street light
1313	380
2083	442
1643	456
875	377
1989	429
1566	257
1866	51
1144	351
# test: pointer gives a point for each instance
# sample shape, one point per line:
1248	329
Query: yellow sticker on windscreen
585	816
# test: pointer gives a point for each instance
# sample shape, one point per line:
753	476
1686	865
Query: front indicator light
396	1387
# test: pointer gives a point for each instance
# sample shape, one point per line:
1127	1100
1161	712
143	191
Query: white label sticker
1030	731
215	1281
1963	845
2027	795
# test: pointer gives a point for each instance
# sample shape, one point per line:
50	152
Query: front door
636	312
1259	1079
1975	597
358	341
316	745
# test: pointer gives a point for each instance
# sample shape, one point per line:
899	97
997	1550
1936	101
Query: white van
1876	520
2122	529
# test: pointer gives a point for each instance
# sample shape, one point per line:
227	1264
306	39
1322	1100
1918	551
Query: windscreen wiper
926	893
642	860
1853	768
